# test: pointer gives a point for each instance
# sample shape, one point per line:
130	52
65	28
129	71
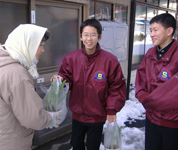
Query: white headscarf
22	44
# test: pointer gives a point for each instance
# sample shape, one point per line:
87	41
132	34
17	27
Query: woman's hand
56	76
111	118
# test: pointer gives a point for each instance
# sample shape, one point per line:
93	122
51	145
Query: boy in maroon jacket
156	85
98	89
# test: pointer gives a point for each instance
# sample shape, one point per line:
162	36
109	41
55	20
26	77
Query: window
172	4
139	35
153	2
120	13
92	9
163	3
103	11
161	12
10	18
150	14
63	25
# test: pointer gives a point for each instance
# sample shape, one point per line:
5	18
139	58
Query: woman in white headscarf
21	109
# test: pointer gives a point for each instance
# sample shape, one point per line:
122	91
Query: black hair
92	22
46	36
166	20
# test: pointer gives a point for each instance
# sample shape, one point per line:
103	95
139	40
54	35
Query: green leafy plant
54	99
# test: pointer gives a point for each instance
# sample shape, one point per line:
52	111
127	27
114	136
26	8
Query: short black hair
46	36
91	22
166	20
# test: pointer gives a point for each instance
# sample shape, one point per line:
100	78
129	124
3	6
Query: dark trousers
160	138
93	132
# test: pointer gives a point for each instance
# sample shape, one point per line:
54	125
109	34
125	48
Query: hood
5	58
22	44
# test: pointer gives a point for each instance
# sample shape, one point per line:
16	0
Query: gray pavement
62	143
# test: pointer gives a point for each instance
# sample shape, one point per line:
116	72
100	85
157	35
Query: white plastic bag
55	98
112	136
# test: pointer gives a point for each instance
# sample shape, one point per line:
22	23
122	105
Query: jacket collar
166	48
168	54
98	49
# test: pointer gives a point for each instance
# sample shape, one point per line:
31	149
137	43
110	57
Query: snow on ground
132	138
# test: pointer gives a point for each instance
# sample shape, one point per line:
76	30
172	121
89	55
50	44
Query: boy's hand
56	76
111	118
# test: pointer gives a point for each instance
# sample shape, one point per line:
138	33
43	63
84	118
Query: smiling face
39	51
159	35
90	38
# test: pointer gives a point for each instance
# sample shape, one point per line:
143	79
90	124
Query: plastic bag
55	98
112	136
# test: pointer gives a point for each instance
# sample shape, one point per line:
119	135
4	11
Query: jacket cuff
111	112
64	78
143	96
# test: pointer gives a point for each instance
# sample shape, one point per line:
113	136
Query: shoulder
74	53
14	77
151	50
18	74
107	56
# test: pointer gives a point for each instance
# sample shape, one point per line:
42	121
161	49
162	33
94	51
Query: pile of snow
133	138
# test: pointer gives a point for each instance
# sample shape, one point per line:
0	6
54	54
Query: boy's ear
99	38
170	31
81	37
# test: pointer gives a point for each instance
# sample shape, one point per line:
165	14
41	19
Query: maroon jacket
157	86
96	82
